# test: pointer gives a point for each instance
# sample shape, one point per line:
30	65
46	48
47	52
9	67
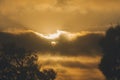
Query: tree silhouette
110	63
18	64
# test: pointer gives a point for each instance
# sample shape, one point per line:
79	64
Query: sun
53	43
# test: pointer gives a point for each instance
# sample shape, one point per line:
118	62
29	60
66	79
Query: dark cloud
82	45
29	41
71	64
78	64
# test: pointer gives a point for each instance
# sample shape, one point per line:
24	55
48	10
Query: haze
47	16
66	33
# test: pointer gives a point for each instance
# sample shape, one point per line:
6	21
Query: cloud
85	43
8	24
82	45
62	3
79	65
72	65
69	61
72	15
73	68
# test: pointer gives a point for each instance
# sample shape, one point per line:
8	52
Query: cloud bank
82	45
73	68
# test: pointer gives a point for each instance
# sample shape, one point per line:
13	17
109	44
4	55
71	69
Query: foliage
17	63
110	63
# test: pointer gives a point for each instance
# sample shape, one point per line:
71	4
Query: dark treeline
18	63
110	63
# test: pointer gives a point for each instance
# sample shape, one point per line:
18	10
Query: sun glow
53	43
51	36
67	35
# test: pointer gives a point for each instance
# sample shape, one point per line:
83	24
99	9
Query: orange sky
47	16
42	17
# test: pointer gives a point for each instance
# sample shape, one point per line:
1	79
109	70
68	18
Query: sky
47	16
74	56
65	32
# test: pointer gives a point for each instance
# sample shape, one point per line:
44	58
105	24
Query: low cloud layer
82	45
73	68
